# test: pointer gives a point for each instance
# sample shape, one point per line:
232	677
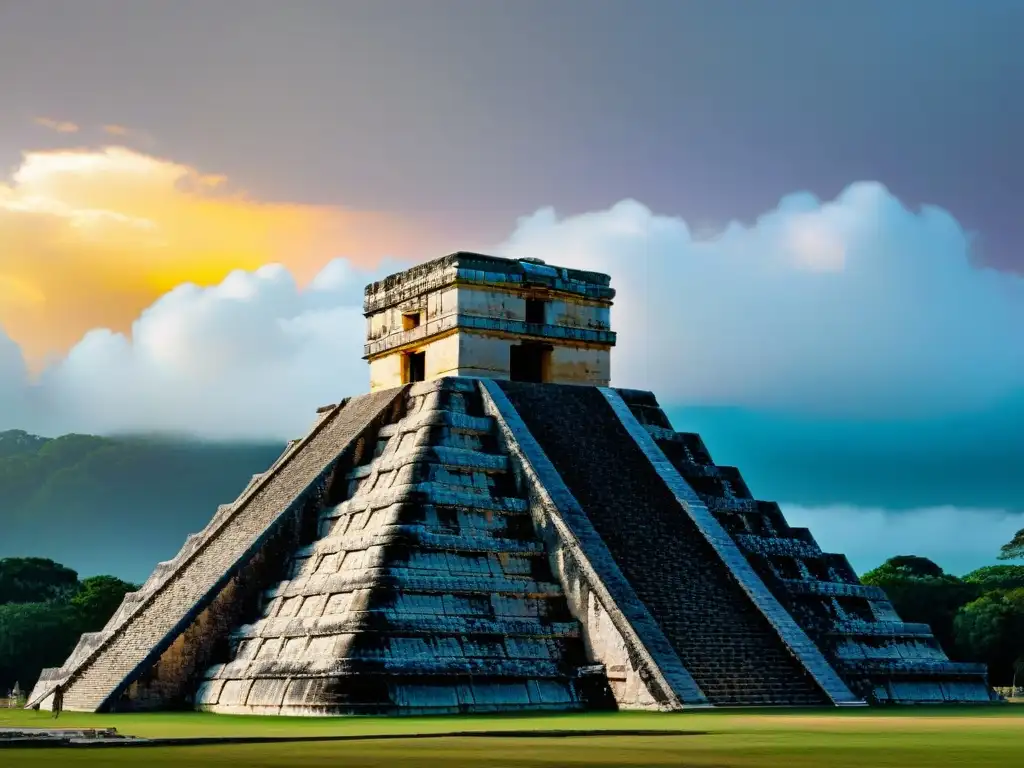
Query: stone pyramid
492	528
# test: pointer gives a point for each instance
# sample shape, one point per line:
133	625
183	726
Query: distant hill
15	442
115	505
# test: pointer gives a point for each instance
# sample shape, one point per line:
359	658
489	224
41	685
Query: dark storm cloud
472	111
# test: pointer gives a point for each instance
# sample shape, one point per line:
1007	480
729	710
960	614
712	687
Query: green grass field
988	736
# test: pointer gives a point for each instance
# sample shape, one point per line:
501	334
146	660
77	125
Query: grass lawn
987	736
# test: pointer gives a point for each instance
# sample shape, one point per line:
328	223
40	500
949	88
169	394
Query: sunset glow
92	236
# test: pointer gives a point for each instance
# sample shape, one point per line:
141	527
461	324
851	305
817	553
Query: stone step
460	422
394	622
424	666
428	492
391	580
450	458
423	537
833	589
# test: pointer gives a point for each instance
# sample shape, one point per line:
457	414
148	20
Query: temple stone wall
481	355
172	681
605	643
385	372
483	301
580	365
432	307
564	311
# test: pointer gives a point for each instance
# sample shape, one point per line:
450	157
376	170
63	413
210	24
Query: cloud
60	126
856	306
957	538
116	130
91	237
248	358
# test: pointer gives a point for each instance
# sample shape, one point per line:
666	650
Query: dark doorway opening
529	362
535	313
415	367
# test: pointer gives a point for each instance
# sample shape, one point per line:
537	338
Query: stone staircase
881	658
424	588
149	621
722	638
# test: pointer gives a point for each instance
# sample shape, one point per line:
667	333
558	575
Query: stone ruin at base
493	528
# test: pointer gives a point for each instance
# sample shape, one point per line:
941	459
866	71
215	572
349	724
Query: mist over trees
115	505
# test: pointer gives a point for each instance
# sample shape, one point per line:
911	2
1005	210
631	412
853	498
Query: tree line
979	617
45	607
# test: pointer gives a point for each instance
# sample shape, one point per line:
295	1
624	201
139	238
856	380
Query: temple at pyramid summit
493	528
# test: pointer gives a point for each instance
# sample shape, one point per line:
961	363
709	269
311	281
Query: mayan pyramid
493	528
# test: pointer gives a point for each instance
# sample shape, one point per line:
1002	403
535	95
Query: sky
811	213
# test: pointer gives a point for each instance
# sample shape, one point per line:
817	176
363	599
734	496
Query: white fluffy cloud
856	306
250	357
852	306
958	539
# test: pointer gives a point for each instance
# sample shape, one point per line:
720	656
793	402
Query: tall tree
991	630
33	636
922	592
97	599
992	577
1014	548
34	580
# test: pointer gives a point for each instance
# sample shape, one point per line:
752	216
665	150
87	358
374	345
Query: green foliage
16	441
977	618
1014	548
33	636
44	609
907	737
910	566
97	599
993	577
991	628
34	580
922	592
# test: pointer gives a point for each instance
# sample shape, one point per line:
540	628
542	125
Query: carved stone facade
467	314
477	543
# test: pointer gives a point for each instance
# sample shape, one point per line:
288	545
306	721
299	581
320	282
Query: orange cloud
60	126
92	237
116	130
